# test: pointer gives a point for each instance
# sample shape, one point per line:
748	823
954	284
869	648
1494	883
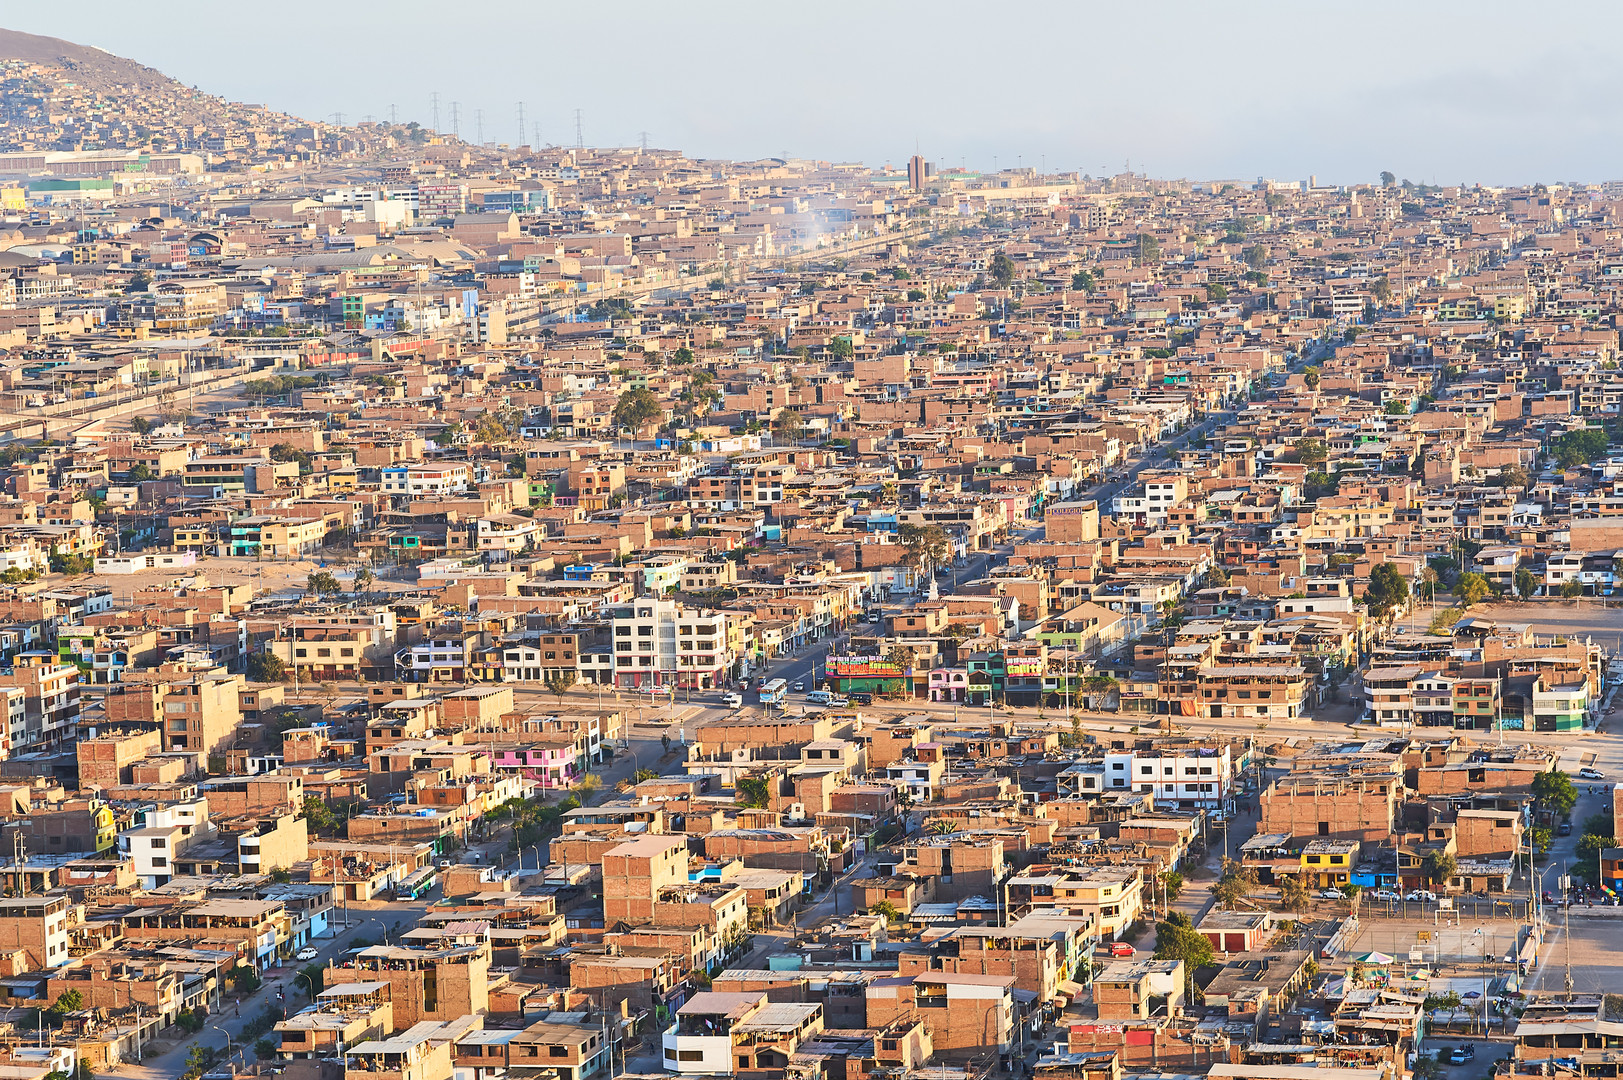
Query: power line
456	119
435	98
391	114
520	125
479	126
580	138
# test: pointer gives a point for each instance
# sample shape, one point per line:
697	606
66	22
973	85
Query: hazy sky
1478	92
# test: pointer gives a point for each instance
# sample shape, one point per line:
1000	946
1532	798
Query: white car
1385	894
1588	773
1424	895
307	953
1331	894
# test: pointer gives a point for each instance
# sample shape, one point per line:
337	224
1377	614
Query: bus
774	691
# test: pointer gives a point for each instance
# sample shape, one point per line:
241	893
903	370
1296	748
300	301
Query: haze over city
1436	92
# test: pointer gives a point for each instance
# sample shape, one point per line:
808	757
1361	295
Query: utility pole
580	137
479	126
435	99
391	114
456	119
520	125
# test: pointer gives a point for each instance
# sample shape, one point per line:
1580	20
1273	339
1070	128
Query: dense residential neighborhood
472	610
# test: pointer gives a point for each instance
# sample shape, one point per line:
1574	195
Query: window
1324	828
691	1055
557	1051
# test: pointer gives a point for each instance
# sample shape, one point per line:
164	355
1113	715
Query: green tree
363	579
645	774
1256	256
1177	939
559	682
1083	281
1541	837
1526	583
636	406
789	427
888	910
139	473
322	583
289	452
751	792
1312	376
1388	588
1234	883
927	545
243	979
1293	895
1216	293
1171	885
1513	478
1471	589
1571	590
1576	447
1147	248
1382	290
265	666
1554	793
1312	452
841	348
1002	269
69	1001
1388	178
1439	867
141	425
684	355
1395	408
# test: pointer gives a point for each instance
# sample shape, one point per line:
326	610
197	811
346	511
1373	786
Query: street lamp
221	1029
311	983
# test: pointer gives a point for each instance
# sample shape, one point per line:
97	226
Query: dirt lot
1602	620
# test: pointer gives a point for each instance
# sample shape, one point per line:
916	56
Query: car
1564	829
1423	895
1467	1049
1589	773
733	700
1117	948
862	699
445	864
1385	894
1331	894
1457	1056
307	953
798	685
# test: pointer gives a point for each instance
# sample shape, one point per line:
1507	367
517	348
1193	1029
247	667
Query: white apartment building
418	480
662	643
1191	778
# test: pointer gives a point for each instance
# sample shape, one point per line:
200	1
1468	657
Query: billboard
863	667
1023	665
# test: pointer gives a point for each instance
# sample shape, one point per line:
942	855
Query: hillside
55	94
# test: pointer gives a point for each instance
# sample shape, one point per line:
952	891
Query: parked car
1564	829
1331	894
862	699
1116	948
1425	895
1385	894
1588	773
307	953
1457	1056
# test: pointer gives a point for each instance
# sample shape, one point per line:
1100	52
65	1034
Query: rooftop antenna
520	124
435	98
580	138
